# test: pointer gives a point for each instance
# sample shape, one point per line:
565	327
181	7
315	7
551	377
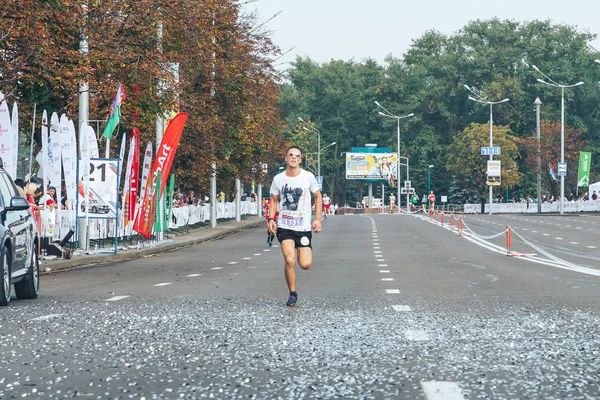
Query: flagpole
31	146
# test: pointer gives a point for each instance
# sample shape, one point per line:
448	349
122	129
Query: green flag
157	216
585	161
115	113
170	200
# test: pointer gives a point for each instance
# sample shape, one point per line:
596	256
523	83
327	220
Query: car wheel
5	273
94	210
29	288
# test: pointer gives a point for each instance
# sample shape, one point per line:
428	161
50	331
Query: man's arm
271	224
318	208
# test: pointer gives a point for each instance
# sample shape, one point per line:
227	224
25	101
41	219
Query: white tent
592	187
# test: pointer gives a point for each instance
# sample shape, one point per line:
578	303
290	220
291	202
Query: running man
431	199
326	204
292	189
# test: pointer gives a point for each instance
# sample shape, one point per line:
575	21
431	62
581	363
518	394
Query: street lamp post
315	130
398	118
429	179
562	127
483	100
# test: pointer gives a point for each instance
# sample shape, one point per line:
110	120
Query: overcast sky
353	29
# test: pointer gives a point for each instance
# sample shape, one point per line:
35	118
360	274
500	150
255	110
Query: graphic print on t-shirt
291	198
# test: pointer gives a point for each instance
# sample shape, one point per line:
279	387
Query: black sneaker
292	300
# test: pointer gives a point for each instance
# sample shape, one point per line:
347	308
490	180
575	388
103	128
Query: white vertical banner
55	162
121	159
92	143
15	143
146	170
6	140
69	158
126	186
44	151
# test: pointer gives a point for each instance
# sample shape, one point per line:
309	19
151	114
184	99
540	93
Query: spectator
594	196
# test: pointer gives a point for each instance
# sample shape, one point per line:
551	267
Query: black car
19	244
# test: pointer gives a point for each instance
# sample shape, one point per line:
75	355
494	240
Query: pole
259	200
383	198
538	103
398	168
428	180
491	156
213	195
370	200
562	148
407	194
238	200
31	146
319	154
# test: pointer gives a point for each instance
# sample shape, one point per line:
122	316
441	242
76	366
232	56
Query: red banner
163	163
134	174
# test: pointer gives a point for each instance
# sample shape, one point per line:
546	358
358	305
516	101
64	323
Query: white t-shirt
295	200
326	200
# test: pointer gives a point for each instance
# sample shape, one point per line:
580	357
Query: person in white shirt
326	204
292	189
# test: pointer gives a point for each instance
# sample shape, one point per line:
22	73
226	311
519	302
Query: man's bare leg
289	257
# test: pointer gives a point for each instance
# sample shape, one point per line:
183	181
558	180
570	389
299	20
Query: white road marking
384	271
216	267
558	238
377	251
377	247
392	291
257	254
380	260
417	336
387	279
574	242
163	284
266	250
401	308
232	262
193	275
47	317
437	390
382	265
546	234
247	258
591	247
117	298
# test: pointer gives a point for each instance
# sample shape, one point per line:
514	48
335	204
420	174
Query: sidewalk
200	235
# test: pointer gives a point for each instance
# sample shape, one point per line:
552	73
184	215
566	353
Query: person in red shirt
431	199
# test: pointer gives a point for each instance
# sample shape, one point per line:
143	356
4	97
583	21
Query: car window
11	186
5	190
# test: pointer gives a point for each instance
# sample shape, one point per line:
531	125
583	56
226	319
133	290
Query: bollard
452	220
508	240
442	218
459	225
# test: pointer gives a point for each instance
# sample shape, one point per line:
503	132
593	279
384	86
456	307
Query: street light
562	127
315	130
429	179
483	100
398	118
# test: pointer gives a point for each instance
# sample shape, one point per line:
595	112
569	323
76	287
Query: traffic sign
407	190
407	184
493	151
320	182
562	169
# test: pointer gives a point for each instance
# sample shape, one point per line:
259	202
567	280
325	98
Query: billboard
494	172
371	166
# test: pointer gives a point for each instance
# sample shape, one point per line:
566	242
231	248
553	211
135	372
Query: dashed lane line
117	298
192	275
437	390
392	291
401	308
416	336
164	284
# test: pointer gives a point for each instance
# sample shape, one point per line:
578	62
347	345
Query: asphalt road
395	307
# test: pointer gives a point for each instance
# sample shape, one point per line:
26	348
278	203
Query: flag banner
551	171
54	156
585	162
44	164
139	213
101	198
69	159
15	142
163	162
115	112
134	174
92	143
126	192
122	158
157	206
6	140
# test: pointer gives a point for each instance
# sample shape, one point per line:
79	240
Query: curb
201	235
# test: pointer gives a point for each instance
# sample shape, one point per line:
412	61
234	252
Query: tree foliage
202	57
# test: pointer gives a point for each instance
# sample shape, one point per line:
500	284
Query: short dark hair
293	147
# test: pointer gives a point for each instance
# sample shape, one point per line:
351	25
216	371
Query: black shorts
301	239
